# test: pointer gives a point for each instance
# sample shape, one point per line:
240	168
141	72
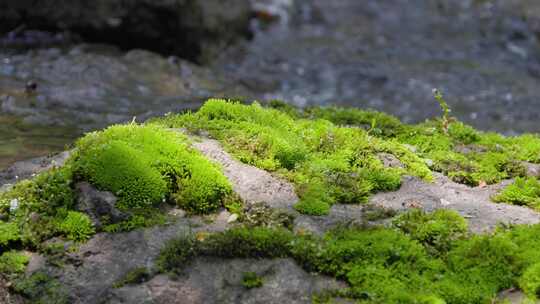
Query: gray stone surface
98	205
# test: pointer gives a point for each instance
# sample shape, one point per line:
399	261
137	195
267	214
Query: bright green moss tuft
13	262
204	188
76	226
145	165
9	232
251	280
463	133
312	206
41	198
524	191
379	124
125	171
529	282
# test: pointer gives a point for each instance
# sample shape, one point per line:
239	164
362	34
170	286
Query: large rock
189	28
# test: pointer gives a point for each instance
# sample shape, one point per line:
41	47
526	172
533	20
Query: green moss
13	262
251	280
203	188
385	125
328	164
76	226
125	171
144	165
41	288
9	232
135	276
437	230
42	199
422	258
175	256
524	191
529	282
247	242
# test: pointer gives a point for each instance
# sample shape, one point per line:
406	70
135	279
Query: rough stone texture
98	204
532	169
252	184
107	258
26	169
219	281
192	27
472	203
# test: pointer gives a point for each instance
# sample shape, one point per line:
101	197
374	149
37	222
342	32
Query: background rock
188	28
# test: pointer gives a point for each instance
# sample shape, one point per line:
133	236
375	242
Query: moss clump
35	207
524	191
251	280
175	256
327	163
464	154
13	262
9	232
135	276
145	165
421	258
379	124
437	231
41	288
530	281
76	226
125	171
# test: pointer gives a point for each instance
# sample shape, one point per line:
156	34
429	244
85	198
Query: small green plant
13	262
446	119
76	226
251	280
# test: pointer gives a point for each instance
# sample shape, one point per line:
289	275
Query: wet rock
37	261
100	206
28	168
532	169
219	281
89	87
193	29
